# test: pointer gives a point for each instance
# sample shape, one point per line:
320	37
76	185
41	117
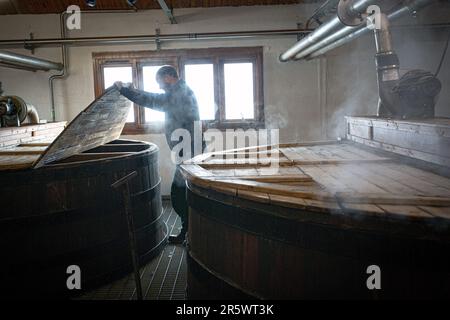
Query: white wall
291	94
306	100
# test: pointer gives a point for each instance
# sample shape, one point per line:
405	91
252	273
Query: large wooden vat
315	227
68	214
59	209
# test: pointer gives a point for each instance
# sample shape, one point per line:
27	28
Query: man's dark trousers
178	197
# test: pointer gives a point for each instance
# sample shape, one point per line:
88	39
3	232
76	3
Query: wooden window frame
179	58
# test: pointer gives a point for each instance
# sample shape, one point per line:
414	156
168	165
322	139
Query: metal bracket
30	46
158	40
301	35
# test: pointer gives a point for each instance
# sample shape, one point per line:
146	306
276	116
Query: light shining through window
150	85
124	74
239	91
200	78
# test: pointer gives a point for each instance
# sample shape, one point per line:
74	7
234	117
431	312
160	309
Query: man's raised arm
155	101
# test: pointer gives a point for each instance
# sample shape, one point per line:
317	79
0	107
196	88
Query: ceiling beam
167	11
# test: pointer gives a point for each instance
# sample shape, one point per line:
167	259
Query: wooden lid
101	122
330	177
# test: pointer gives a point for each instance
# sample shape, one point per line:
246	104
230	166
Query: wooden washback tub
59	209
313	229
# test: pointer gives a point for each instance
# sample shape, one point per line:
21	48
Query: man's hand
118	85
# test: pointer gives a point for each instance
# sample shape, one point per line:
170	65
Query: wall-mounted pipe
64	71
334	42
152	38
12	59
333	25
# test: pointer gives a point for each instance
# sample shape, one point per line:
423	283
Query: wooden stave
206	279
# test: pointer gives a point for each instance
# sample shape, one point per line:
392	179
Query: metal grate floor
163	278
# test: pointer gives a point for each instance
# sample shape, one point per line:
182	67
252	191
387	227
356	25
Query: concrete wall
305	100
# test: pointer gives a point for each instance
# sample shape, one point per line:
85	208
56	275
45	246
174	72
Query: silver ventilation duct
330	27
410	7
15	60
335	33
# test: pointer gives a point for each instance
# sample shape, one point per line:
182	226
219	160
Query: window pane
200	78
150	85
239	91
124	74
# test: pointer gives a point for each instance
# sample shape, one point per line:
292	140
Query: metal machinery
14	110
412	95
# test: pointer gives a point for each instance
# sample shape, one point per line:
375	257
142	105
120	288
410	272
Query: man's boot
178	239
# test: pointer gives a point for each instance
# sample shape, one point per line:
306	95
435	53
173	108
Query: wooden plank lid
101	122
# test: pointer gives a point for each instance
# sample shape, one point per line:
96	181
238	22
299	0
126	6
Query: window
200	78
238	91
113	74
150	85
227	83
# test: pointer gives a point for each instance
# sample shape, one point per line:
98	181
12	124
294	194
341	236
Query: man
181	109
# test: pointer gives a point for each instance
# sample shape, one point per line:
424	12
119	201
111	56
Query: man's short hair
167	71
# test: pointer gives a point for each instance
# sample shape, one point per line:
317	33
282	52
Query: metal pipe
12	59
328	44
167	11
32	114
333	37
64	72
333	25
388	68
15	66
383	38
151	38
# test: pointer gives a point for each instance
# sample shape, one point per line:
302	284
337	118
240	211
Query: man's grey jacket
178	103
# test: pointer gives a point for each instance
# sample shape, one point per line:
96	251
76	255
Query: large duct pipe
12	59
388	70
32	115
344	36
332	26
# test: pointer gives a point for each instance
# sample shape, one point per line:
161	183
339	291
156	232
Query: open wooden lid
101	122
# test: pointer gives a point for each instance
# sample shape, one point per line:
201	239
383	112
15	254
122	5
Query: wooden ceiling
57	6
